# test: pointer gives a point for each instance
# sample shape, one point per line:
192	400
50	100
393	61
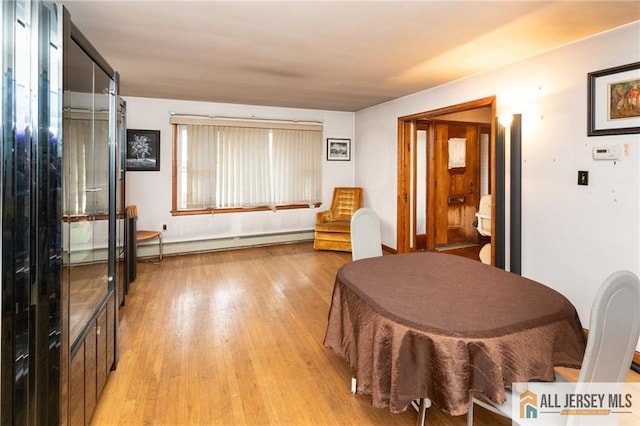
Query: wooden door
456	188
406	135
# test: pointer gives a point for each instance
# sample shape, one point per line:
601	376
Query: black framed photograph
338	149
143	150
614	101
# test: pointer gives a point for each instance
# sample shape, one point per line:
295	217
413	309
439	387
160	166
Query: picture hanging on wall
338	149
614	101
143	150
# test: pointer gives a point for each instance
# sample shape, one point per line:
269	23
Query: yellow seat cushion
333	226
340	226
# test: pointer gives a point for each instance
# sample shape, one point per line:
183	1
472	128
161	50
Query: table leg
422	411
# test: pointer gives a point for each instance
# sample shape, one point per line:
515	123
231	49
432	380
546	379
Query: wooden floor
235	338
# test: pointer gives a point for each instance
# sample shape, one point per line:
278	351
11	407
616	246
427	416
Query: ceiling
331	55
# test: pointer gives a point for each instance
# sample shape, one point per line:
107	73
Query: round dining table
434	325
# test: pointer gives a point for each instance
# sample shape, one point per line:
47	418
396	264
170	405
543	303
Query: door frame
406	194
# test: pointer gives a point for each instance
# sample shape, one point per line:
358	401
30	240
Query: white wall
151	191
573	236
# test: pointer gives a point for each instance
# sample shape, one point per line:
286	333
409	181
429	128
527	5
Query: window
229	165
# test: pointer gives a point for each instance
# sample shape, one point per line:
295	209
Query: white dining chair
483	226
614	328
483	216
366	243
365	234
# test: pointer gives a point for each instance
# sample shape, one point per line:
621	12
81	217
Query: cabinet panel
76	391
89	220
30	191
111	334
91	364
90	372
101	352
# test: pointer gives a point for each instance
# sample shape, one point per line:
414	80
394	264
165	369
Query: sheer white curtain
98	180
297	166
198	162
244	178
246	164
86	157
74	158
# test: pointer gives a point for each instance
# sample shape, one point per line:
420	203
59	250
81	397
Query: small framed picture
338	149
143	150
614	101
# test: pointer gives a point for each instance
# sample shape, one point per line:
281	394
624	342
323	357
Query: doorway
437	201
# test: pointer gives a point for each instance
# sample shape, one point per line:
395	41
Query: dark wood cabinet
92	223
111	335
101	352
91	363
76	385
62	186
90	373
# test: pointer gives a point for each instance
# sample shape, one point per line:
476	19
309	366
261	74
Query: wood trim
492	162
404	161
195	212
478	103
247	122
431	195
174	168
404	176
413	200
85	217
388	249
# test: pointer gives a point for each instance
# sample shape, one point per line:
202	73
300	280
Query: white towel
457	152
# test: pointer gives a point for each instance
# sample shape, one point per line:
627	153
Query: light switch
583	177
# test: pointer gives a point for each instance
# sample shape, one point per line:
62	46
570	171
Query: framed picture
143	150
338	149
614	101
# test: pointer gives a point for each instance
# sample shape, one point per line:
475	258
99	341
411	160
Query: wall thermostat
607	153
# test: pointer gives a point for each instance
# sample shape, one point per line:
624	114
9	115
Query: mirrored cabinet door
31	99
58	198
87	188
90	215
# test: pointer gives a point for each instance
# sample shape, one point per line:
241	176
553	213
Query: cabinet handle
97	330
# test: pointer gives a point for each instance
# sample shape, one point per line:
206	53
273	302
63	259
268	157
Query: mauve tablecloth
435	325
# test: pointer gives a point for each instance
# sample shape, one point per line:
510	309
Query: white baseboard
150	249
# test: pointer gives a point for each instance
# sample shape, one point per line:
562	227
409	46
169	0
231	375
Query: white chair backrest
484	215
365	234
614	329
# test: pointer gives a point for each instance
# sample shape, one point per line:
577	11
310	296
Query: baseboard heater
224	243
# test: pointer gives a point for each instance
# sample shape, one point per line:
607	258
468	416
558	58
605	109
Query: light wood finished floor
235	338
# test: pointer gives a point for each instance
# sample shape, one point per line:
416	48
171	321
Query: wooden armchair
333	226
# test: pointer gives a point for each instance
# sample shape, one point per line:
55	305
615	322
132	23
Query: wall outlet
164	227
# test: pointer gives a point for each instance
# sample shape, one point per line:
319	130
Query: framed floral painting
143	150
614	101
